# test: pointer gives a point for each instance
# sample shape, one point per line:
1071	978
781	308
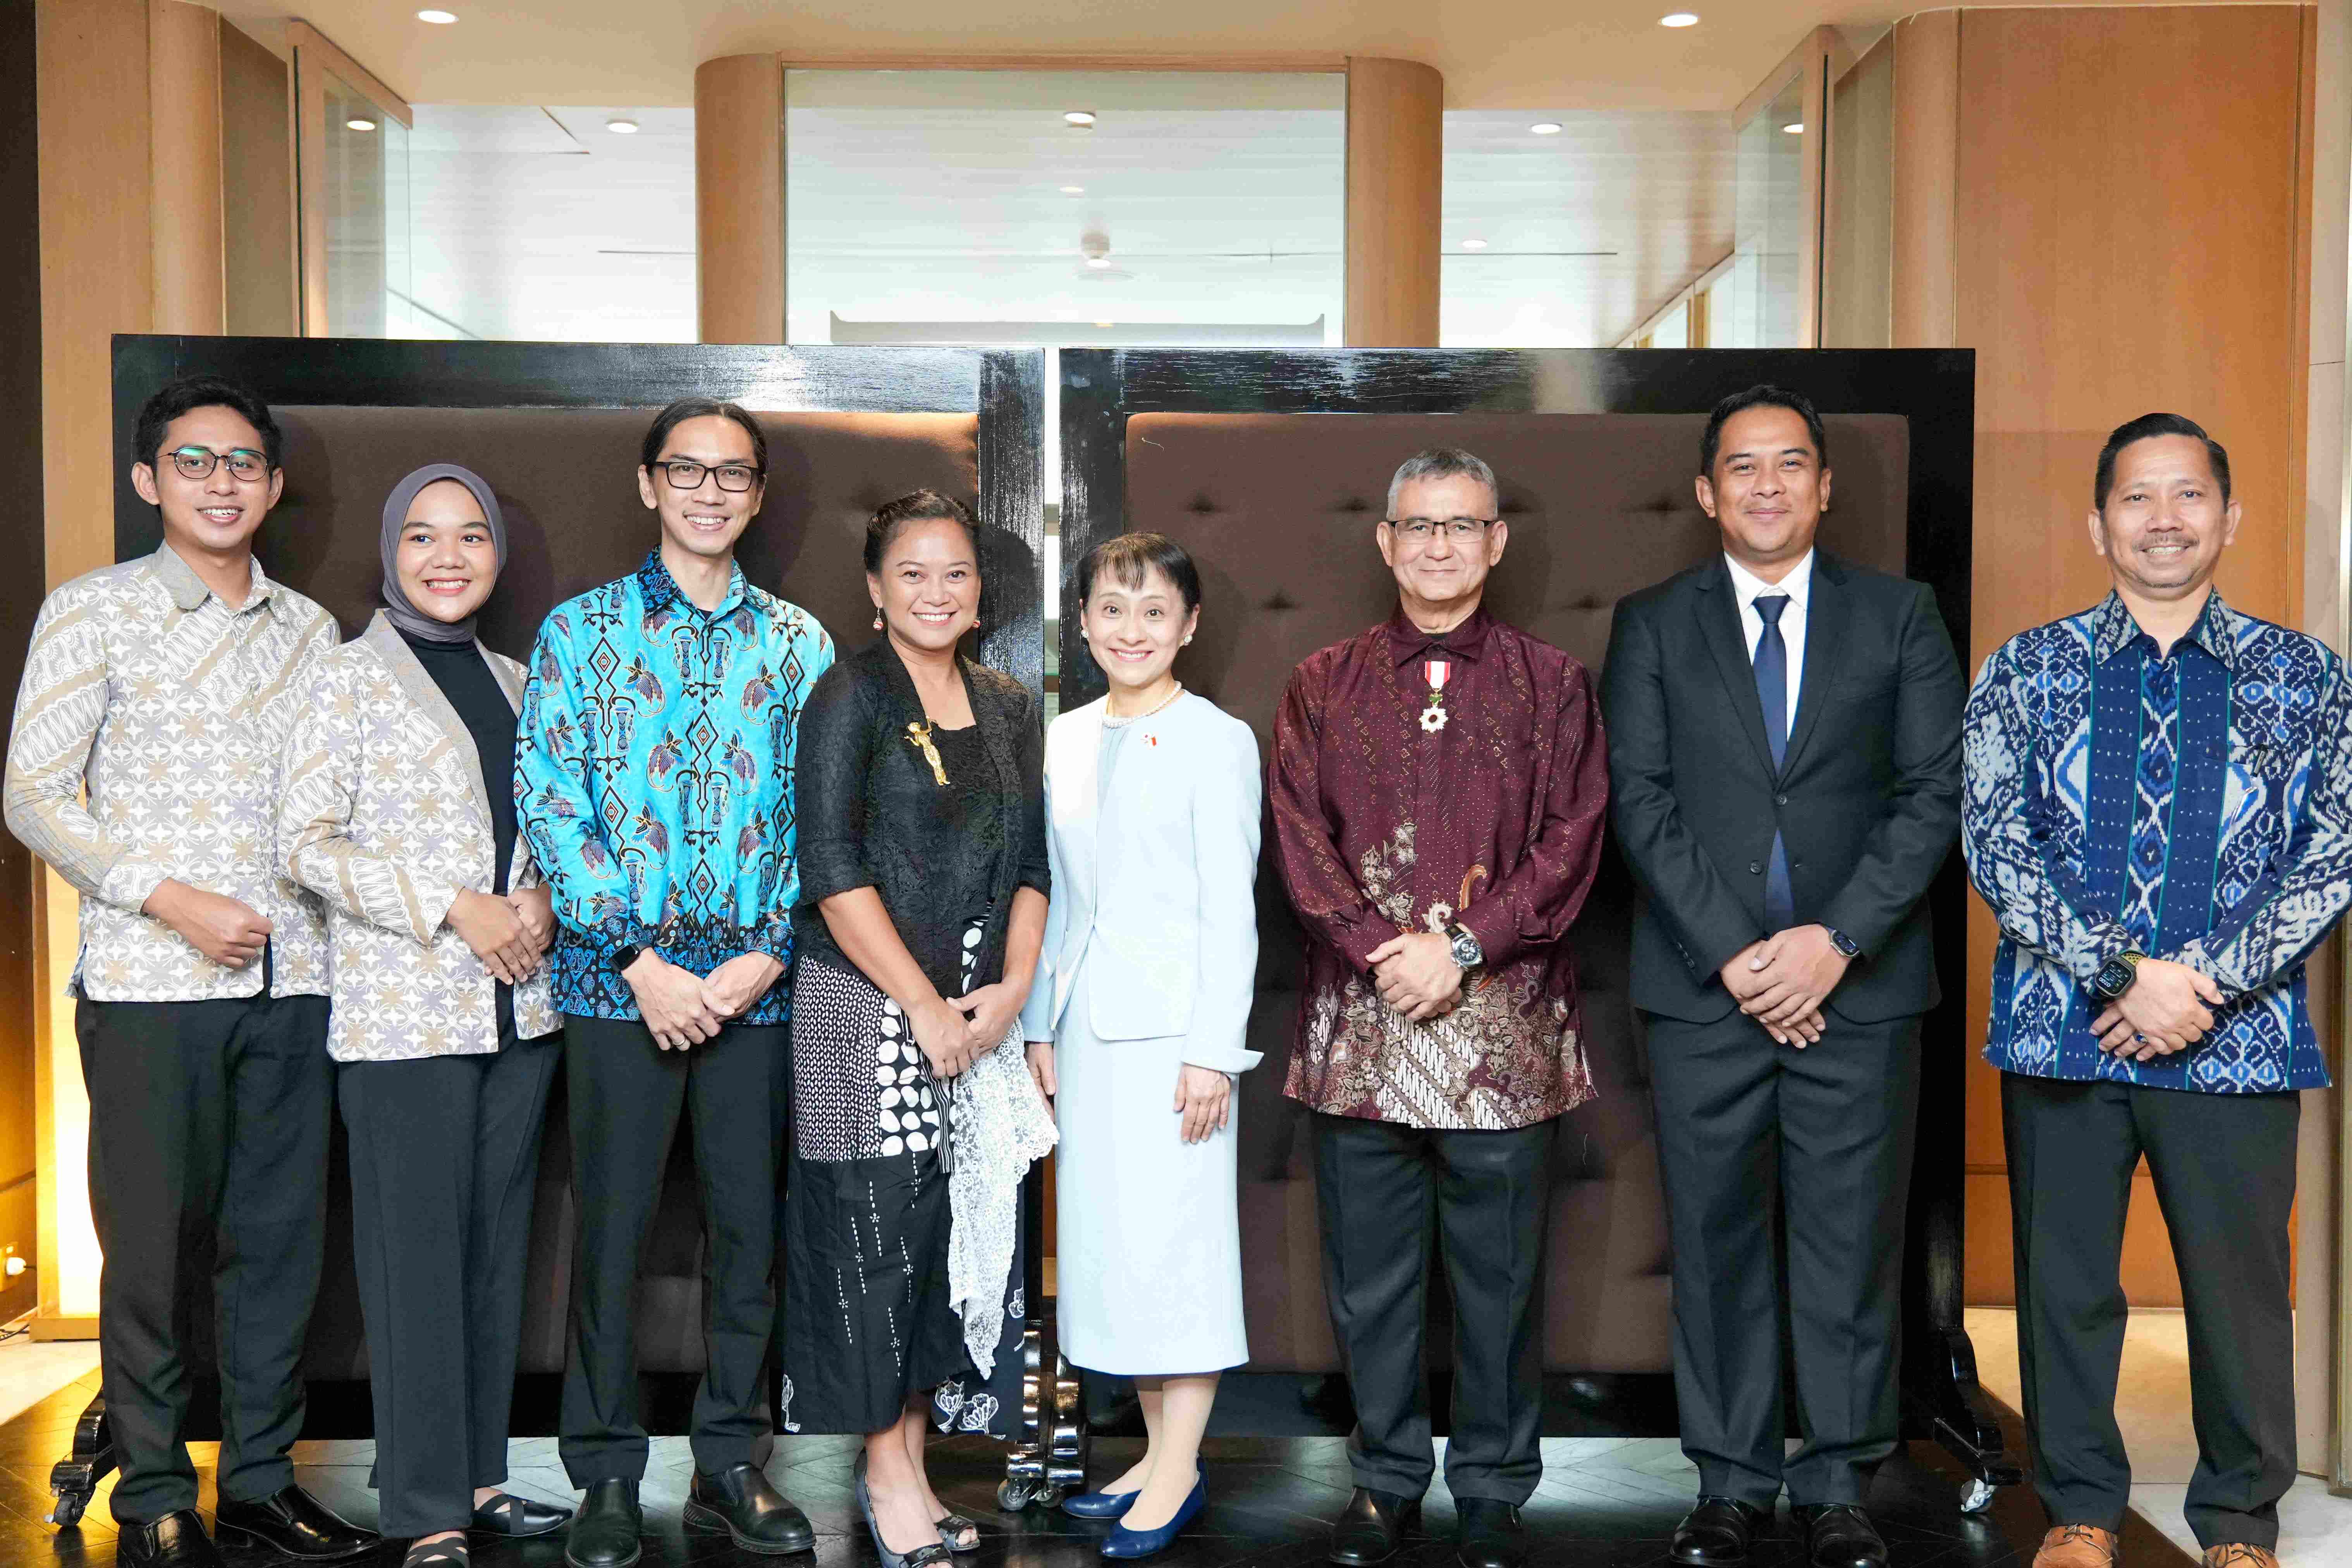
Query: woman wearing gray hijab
398	810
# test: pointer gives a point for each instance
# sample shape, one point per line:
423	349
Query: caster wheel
1011	1496
66	1511
1050	1497
1976	1497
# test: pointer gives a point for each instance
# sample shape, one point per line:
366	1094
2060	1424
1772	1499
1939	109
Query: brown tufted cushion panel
1278	510
566	481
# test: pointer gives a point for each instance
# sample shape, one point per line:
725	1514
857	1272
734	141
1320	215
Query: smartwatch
624	956
1846	946
2116	976
1468	953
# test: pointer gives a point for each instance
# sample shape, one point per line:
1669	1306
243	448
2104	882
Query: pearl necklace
1119	721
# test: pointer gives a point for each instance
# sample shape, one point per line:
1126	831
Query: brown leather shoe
2077	1546
2238	1554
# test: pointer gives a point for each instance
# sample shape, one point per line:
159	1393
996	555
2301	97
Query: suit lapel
1825	624
421	688
1718	619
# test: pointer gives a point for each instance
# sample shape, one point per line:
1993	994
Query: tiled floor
2152	1409
1603	1503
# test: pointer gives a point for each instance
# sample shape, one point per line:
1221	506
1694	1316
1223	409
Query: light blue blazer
1155	888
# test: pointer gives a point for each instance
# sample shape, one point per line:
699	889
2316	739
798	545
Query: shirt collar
662	589
1407	642
2113	629
1748	587
188	590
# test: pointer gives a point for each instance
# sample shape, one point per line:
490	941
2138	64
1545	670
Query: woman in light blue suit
1136	1023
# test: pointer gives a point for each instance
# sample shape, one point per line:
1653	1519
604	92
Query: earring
1188	641
878	620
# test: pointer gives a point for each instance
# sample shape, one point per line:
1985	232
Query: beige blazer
383	815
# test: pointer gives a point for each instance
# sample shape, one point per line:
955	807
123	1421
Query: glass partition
1761	303
351	150
1065	207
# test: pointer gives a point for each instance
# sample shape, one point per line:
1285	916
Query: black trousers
208	1122
444	1157
627	1095
2223	1166
1386	1194
1826	1132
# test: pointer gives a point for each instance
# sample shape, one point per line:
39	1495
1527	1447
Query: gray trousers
2223	1166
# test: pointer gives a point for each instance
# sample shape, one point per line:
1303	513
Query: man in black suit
1784	764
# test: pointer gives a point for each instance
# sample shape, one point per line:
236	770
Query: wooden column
738	199
1926	177
1396	155
184	166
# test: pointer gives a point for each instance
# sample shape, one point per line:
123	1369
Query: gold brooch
919	737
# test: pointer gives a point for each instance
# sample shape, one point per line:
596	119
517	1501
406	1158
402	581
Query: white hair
1442	463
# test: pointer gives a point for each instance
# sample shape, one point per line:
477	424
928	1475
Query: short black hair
686	408
2141	429
1127	560
194	392
1763	395
894	518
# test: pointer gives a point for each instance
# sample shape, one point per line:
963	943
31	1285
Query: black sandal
957	1533
448	1554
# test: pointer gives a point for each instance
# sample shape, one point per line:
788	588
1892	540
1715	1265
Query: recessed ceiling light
622	127
1679	19
1105	323
1074	190
1473	244
1079	117
1098	261
359	124
1794	128
1546	127
439	18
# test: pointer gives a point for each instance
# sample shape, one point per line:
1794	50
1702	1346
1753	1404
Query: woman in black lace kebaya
923	889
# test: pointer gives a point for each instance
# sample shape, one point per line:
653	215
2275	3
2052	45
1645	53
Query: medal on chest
1433	714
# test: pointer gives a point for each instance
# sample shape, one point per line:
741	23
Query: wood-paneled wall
2109	206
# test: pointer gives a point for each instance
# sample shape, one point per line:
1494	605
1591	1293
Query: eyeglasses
198	463
686	476
1422	529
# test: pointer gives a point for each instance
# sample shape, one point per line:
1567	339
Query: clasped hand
1417	975
1782	981
510	933
681	1008
2168	1008
955	1033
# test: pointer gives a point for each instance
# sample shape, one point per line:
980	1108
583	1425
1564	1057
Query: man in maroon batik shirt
1439	786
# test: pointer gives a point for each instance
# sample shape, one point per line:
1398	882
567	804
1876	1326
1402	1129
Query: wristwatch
1845	944
1467	951
624	956
2116	976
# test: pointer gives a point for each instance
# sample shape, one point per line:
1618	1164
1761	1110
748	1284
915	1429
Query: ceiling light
1105	323
1081	117
1794	128
622	127
1546	127
1098	261
439	18
1473	244
359	124
1074	190
1679	19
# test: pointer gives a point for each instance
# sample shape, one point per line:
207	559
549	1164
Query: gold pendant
919	737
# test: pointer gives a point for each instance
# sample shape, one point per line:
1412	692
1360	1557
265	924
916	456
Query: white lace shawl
1001	1126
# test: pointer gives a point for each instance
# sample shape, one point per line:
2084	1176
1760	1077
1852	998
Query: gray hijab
397	609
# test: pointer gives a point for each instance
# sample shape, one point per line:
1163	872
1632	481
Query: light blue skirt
1148	1234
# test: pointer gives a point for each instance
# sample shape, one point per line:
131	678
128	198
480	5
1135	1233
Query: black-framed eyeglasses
1422	529
686	475
198	463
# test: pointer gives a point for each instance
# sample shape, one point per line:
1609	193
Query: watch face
2113	978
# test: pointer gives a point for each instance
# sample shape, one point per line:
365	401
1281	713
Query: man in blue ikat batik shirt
2156	810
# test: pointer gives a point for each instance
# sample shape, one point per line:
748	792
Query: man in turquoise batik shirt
654	773
2159	809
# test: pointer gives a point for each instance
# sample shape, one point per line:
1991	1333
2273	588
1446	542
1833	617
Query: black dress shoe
738	1500
507	1514
605	1534
1372	1528
1840	1535
176	1541
292	1524
1717	1532
1489	1533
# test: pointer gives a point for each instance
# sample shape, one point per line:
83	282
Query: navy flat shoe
1123	1542
1099	1505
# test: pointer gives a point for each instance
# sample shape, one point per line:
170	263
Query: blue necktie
1772	691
